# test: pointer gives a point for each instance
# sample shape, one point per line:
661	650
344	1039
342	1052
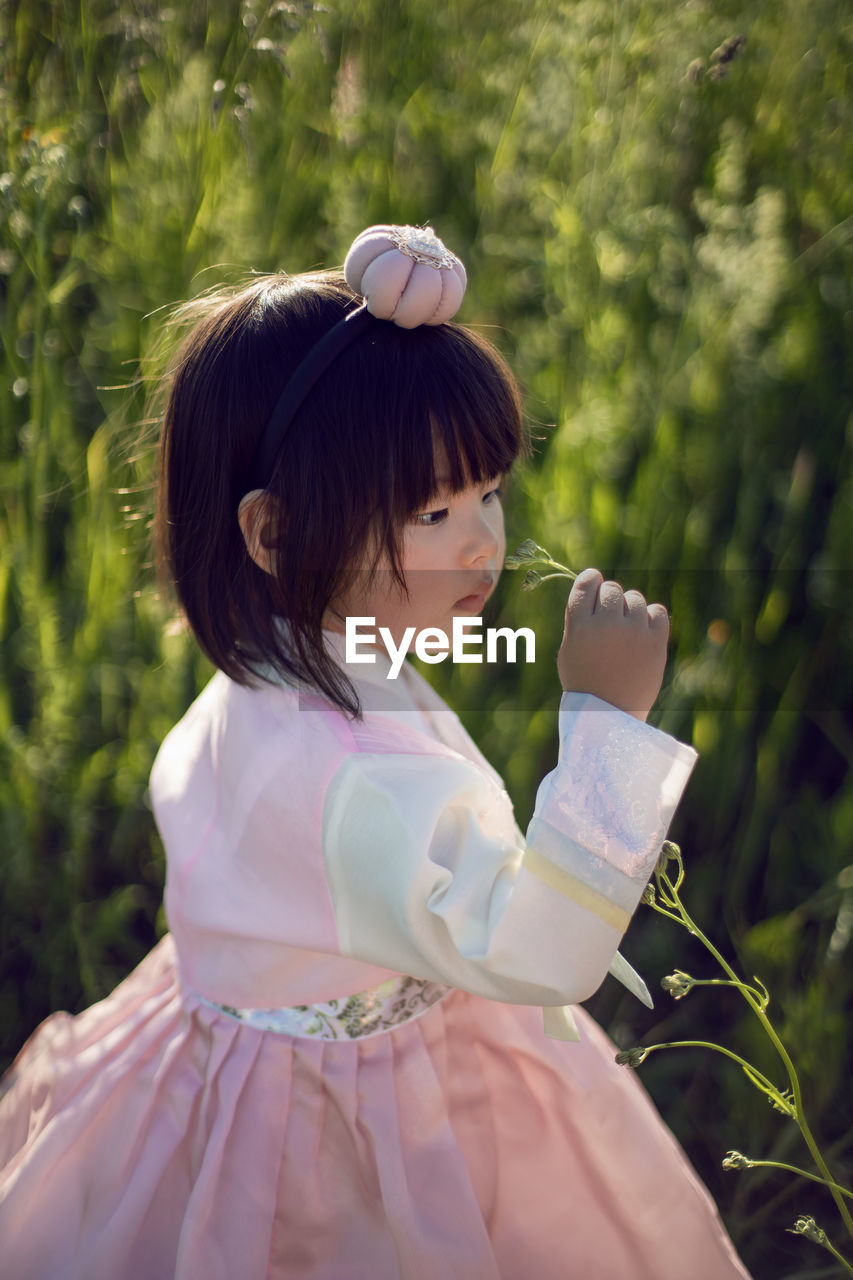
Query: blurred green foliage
656	220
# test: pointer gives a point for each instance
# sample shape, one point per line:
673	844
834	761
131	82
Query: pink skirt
156	1136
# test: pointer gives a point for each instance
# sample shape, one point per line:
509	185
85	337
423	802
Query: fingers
584	592
614	644
611	599
658	619
635	605
591	594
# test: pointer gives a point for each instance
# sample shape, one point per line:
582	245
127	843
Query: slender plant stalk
758	1005
749	1070
746	1163
827	1244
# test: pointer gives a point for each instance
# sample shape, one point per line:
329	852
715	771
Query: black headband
296	389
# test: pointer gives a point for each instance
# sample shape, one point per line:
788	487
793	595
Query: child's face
452	555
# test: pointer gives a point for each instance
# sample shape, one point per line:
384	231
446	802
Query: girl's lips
474	603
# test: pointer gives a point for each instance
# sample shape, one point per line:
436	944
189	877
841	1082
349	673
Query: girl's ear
255	515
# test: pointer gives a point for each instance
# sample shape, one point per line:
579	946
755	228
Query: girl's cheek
421	547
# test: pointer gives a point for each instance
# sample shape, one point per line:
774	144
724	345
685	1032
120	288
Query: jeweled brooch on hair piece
406	274
422	244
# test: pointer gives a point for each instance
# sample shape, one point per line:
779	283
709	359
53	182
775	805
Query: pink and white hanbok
335	1065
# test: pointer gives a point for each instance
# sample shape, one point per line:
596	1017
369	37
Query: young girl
336	1065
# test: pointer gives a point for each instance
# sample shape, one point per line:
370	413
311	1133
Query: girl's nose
482	538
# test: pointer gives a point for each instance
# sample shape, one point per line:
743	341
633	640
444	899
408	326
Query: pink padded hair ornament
406	275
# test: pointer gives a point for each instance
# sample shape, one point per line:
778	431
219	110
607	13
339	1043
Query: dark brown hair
356	463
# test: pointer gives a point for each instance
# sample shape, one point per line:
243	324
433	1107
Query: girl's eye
428	518
431	517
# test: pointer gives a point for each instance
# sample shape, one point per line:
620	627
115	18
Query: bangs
403	415
456	418
448	415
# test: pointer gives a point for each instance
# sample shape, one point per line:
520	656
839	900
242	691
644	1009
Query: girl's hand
614	644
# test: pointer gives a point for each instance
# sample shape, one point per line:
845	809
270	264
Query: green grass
664	252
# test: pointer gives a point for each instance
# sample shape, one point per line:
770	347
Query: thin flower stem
726	982
770	1031
803	1173
670	915
832	1249
750	1070
564	573
528	557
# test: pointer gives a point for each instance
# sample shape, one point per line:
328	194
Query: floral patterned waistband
367	1013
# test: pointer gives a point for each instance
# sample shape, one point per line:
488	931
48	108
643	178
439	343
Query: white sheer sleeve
429	874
